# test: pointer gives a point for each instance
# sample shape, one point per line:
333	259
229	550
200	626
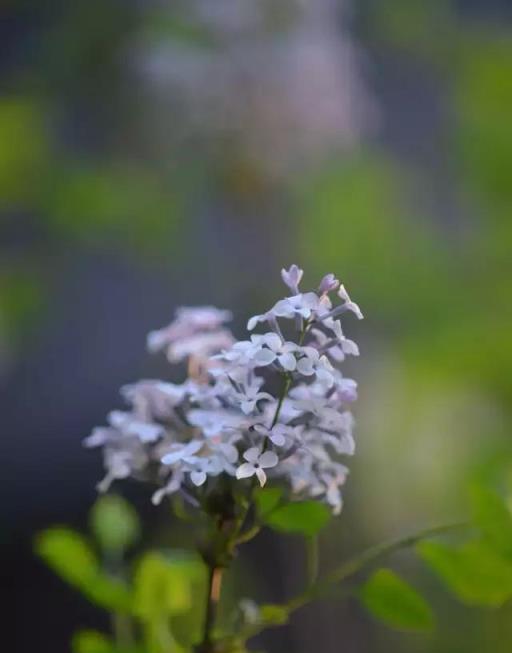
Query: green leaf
306	517
91	641
68	553
395	602
114	523
493	518
476	573
164	584
272	614
266	499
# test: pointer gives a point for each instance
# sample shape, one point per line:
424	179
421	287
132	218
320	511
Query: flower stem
356	564
212	603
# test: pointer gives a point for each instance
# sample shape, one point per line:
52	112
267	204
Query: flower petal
245	470
252	454
262	477
268	459
288	361
264	357
198	478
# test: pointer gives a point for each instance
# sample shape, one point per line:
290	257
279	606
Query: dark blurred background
154	154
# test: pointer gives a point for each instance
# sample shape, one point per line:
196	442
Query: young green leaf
396	603
305	517
164	584
493	518
475	572
115	523
266	499
70	556
91	641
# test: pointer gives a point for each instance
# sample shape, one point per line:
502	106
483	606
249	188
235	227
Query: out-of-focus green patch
21	296
303	517
91	641
354	219
165	586
411	24
115	524
483	129
396	603
118	203
173	27
23	150
492	515
69	554
475	572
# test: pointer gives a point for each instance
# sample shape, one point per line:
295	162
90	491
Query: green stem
371	555
122	629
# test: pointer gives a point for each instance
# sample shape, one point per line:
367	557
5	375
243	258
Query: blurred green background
154	154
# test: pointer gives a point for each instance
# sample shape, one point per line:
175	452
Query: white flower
349	305
250	394
130	425
301	304
256	463
312	363
215	422
278	434
292	278
262	350
182	452
328	284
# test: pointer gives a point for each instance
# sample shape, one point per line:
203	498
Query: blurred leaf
493	517
306	517
23	150
483	93
476	574
21	297
266	499
120	201
91	641
115	523
273	614
70	556
163	584
395	602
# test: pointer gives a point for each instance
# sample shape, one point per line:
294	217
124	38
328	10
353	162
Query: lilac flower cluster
271	406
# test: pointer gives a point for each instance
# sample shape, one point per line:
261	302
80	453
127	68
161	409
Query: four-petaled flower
256	463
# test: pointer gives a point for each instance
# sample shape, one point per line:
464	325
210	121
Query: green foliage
395	602
118	201
267	499
68	553
115	523
23	150
91	641
304	517
476	573
163	584
493	517
275	615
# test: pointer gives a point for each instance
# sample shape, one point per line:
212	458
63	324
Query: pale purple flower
249	395
292	277
279	434
328	284
256	463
